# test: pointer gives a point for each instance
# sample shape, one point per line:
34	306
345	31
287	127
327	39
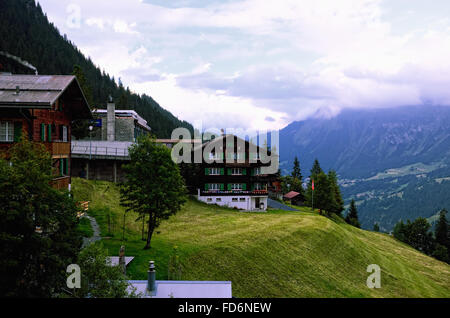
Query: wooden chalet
236	177
42	108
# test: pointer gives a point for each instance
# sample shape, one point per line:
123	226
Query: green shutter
61	167
221	186
42	132
206	187
222	171
252	172
50	132
206	171
244	171
244	186
229	186
229	171
17	131
66	166
252	187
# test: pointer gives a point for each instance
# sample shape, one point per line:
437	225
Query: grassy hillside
274	254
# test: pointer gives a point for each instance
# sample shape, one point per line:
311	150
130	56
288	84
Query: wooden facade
42	111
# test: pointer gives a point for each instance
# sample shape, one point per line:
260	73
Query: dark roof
291	195
40	91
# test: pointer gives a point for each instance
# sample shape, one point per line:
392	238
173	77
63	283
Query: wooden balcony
58	149
61	183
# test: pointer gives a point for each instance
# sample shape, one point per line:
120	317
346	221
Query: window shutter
222	171
244	186
206	171
229	171
66	166
49	132
42	132
61	167
252	172
206	187
221	186
252	187
229	186
244	171
17	131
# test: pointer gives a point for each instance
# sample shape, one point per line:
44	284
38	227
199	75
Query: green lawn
273	254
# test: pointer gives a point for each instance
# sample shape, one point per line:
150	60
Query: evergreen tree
296	172
154	186
39	235
336	201
442	233
352	215
296	179
316	169
376	227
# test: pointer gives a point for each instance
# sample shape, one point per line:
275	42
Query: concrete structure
101	156
42	108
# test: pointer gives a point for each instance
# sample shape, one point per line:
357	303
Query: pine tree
442	233
296	179
376	227
336	201
352	215
316	169
296	172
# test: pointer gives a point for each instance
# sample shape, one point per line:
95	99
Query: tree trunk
149	234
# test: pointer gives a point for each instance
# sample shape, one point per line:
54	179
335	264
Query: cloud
242	63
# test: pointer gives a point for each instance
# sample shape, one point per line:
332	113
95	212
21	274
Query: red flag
312	186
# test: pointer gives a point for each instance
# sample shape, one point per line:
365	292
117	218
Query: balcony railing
234	192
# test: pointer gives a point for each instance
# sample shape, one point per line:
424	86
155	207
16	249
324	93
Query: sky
255	65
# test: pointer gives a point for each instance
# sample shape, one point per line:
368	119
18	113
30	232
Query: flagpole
312	195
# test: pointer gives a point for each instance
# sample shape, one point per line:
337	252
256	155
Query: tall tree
154	186
316	169
442	235
352	215
296	172
376	227
38	227
336	201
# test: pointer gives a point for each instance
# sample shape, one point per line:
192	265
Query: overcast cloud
261	64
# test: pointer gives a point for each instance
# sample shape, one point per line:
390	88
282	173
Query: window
257	171
6	131
214	186
209	199
218	199
214	171
64	133
234	199
242	199
236	171
260	186
236	186
214	156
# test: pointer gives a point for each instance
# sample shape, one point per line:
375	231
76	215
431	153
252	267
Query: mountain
25	32
394	162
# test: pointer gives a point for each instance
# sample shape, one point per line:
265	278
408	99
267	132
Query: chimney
111	120
151	280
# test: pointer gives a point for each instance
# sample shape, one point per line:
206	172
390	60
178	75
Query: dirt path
96	236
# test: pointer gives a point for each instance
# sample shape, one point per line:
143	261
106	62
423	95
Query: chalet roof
291	195
220	139
41	91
